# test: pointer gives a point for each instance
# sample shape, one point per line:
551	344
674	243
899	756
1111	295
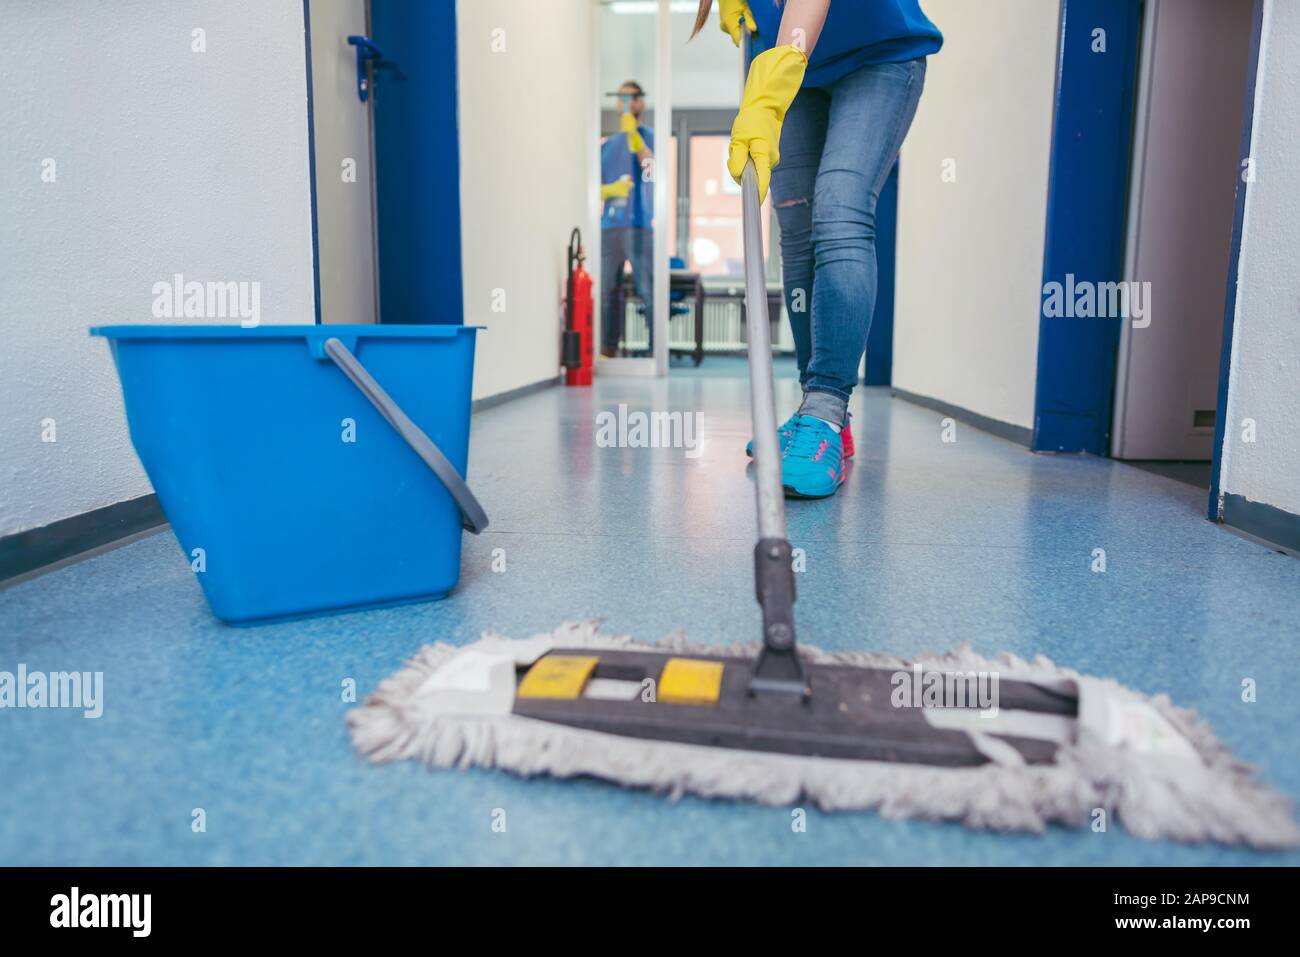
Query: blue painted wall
1087	199
417	161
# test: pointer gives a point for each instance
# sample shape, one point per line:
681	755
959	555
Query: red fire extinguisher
576	347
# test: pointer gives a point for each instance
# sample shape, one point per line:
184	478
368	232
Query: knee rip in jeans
787	203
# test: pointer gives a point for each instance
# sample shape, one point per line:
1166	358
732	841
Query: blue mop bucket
298	480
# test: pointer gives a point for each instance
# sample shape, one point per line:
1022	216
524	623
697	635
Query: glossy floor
929	543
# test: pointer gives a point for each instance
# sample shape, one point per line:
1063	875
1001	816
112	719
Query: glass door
636	208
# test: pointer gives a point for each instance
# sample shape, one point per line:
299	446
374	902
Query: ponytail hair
702	17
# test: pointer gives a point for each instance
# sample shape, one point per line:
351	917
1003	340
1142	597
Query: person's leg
793	183
613	253
642	253
870	112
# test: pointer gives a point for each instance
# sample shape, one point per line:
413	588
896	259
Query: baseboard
1003	430
1261	521
501	398
25	554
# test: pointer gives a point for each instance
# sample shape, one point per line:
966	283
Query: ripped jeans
837	147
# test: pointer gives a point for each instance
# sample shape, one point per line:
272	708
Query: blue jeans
837	147
618	245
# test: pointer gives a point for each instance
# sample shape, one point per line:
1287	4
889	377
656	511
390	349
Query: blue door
417	161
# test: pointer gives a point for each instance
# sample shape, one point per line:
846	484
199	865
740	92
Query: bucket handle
474	519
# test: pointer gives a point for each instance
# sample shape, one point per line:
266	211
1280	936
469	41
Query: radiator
723	329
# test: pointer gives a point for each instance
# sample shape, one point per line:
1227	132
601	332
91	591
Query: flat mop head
850	713
1003	744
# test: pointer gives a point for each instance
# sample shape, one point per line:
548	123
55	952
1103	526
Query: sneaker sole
792	492
750	452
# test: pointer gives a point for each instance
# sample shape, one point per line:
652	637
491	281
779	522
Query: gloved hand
619	189
774	79
635	142
729	14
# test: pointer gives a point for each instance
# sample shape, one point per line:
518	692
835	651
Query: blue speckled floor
927	545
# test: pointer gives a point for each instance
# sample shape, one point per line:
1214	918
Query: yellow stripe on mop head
558	676
690	681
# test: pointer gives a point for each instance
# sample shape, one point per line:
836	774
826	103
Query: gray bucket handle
474	519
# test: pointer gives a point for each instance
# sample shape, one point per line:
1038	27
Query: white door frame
347	262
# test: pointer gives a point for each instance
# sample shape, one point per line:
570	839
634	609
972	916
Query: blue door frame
1086	212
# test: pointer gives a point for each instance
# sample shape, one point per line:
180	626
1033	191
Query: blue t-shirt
857	33
616	161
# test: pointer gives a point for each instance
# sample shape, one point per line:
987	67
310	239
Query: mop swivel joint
778	668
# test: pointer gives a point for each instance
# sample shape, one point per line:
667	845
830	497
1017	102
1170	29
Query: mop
1002	744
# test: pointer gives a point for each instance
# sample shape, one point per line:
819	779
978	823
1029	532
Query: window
713	239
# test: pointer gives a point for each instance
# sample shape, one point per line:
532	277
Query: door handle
366	50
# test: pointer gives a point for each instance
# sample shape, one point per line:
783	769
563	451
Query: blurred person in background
627	220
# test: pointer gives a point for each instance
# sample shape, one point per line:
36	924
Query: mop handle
778	668
762	401
767	462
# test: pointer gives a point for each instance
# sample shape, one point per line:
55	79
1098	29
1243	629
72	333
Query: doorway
343	165
385	153
1185	170
708	324
633	84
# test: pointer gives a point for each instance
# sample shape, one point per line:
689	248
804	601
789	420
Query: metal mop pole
778	668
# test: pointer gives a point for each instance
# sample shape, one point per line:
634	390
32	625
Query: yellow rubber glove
729	14
635	142
774	78
619	189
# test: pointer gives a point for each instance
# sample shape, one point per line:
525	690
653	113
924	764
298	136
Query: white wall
970	252
526	139
1264	382
167	161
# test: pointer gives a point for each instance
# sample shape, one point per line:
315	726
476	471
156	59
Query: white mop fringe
1216	798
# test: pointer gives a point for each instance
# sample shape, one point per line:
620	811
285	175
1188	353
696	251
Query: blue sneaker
812	465
782	436
787	429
